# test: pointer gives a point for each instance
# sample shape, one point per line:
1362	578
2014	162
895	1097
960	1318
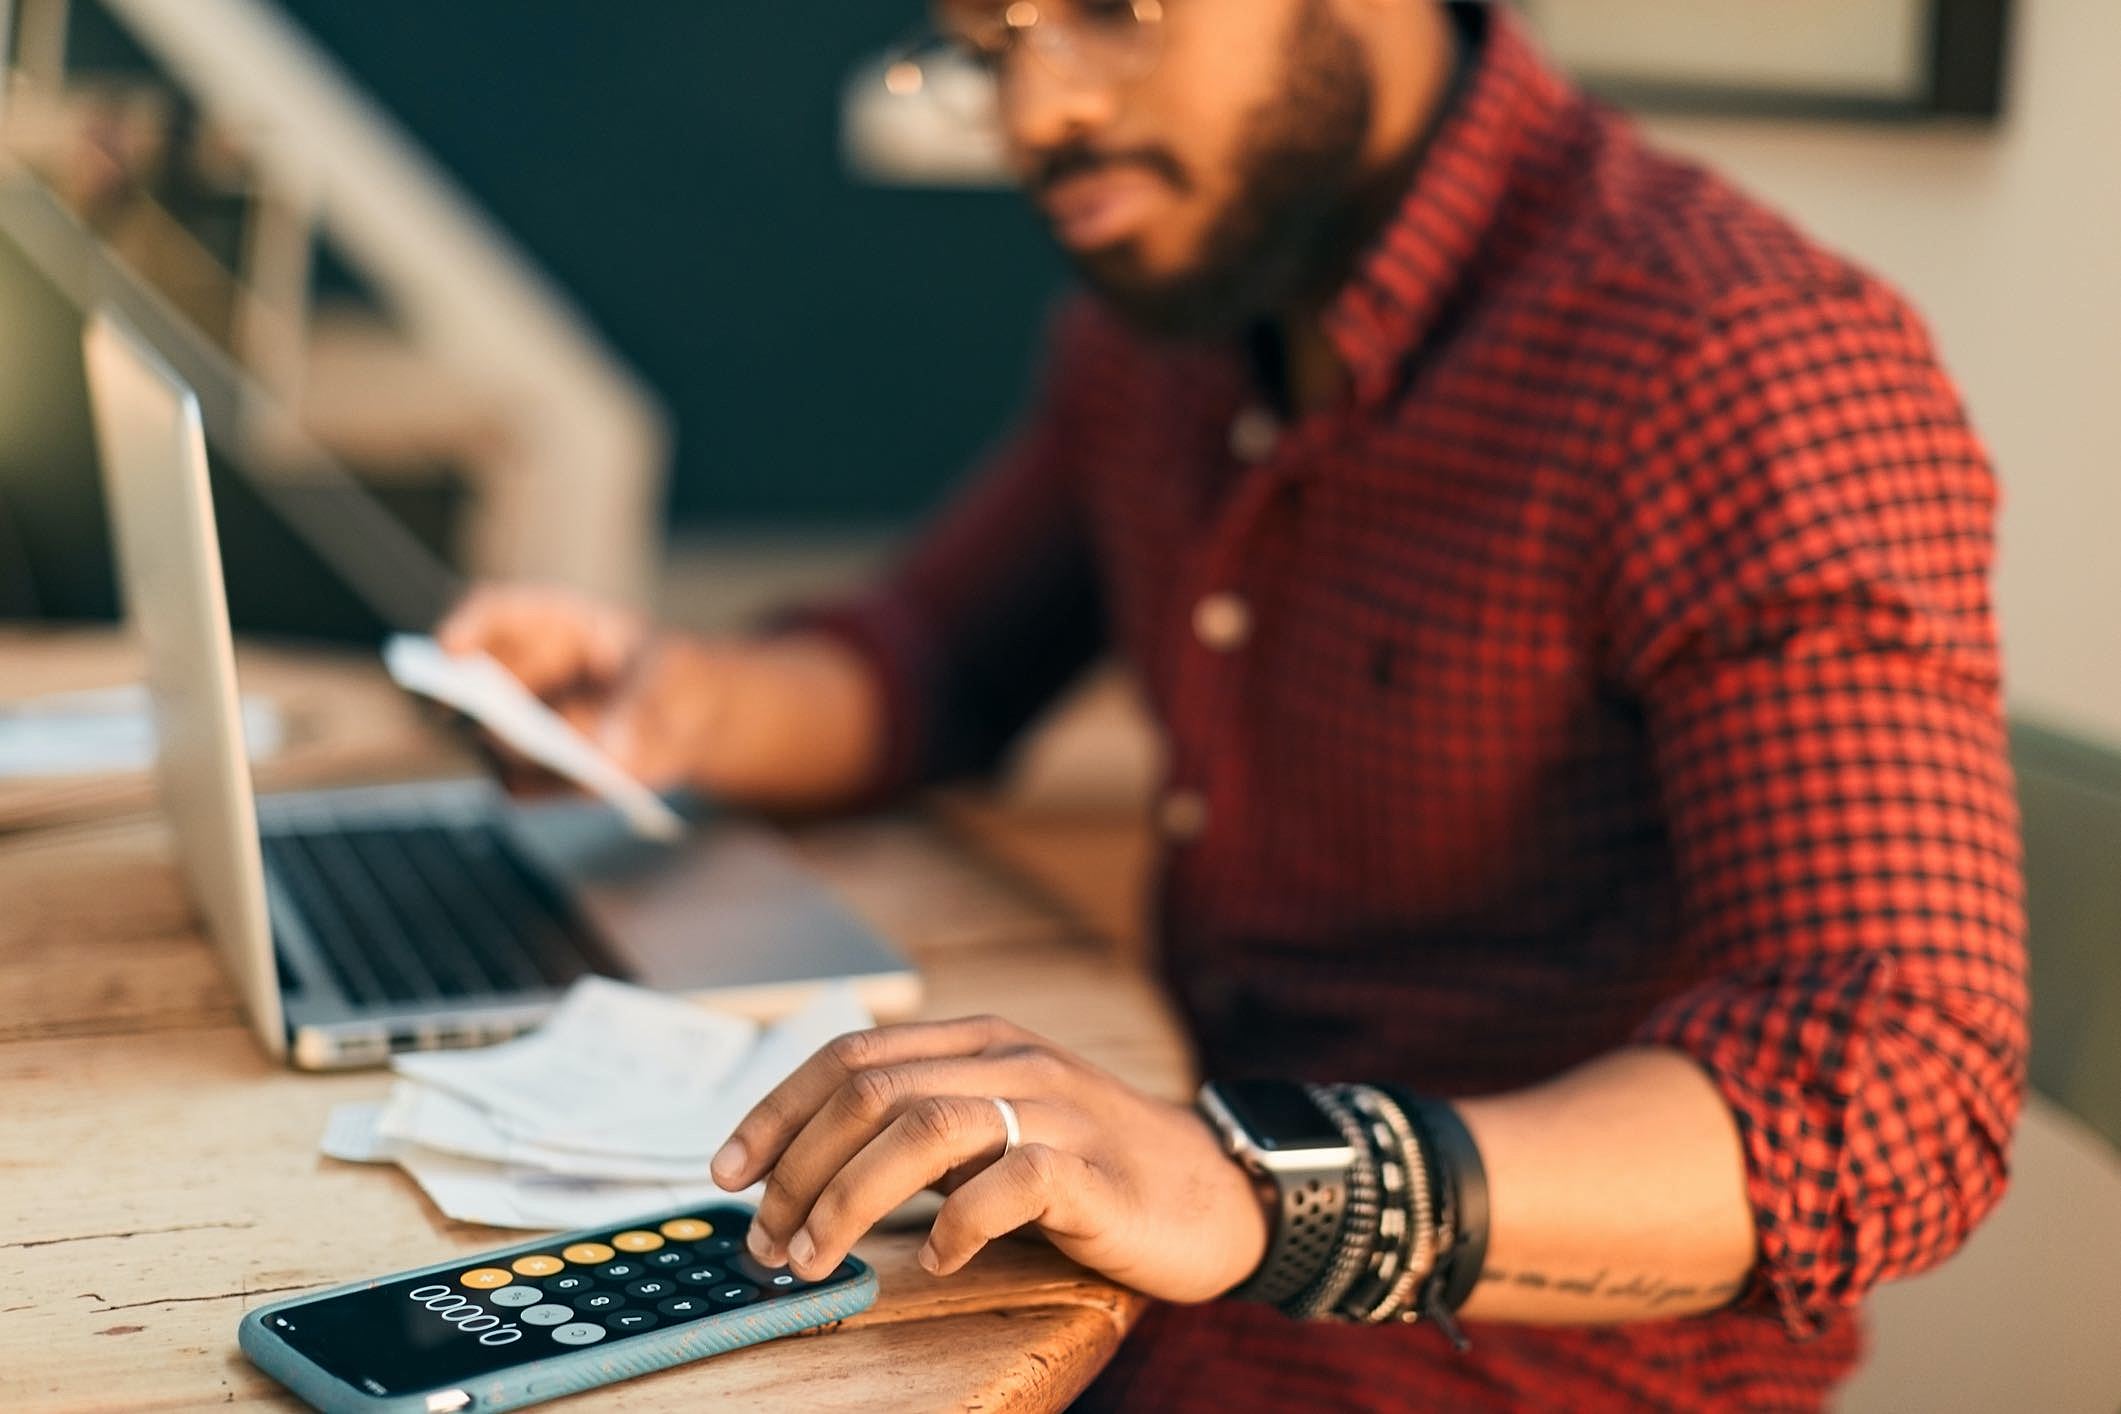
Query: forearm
801	724
1617	1193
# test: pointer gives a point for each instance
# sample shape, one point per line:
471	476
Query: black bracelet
1459	1182
1453	1142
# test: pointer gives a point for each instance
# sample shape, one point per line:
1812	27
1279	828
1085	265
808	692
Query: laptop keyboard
415	911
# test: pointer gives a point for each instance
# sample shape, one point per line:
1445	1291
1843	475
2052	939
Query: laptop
362	921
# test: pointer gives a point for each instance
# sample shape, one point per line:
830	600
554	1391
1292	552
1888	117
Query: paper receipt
489	694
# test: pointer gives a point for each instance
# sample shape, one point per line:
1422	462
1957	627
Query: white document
435	1119
104	729
490	695
611	1109
512	1196
352	1133
615	1069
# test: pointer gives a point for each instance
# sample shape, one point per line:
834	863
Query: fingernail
927	1258
728	1164
801	1249
762	1246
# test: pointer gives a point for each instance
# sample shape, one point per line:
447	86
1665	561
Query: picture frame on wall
1865	59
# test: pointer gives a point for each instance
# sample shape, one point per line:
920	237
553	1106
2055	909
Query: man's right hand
780	722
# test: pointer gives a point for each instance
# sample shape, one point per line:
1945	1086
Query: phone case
553	1376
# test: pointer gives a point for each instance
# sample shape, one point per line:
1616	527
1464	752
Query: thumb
633	734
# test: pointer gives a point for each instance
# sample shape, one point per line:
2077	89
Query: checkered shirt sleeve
1797	591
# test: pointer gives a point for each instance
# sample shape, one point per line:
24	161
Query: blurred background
705	304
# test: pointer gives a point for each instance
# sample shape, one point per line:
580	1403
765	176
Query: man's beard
1288	236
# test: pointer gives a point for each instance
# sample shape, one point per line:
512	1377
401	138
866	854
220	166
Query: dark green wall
829	351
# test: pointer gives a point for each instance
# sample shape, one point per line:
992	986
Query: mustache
1079	159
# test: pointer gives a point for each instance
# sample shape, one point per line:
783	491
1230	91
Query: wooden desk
158	1177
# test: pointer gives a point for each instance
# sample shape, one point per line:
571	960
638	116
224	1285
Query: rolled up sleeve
1799	600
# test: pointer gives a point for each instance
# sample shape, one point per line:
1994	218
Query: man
1564	592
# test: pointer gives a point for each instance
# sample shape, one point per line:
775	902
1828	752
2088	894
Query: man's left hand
1134	1187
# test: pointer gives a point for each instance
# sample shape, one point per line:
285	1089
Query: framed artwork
1892	59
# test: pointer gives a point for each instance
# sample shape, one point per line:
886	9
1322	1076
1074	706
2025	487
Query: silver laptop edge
152	447
730	917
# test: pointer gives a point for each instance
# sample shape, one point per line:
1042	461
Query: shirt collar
1401	286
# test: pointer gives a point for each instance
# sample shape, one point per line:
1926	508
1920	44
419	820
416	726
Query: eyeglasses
1077	41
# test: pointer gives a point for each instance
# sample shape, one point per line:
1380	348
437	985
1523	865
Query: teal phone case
536	1381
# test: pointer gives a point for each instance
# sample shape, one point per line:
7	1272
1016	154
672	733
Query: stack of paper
611	1108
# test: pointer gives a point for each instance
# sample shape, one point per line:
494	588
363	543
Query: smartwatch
1285	1139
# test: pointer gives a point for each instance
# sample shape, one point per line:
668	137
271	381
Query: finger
651	729
760	1137
931	1137
860	1109
1058	1190
549	639
466	626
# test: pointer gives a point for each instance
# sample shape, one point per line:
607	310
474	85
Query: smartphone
529	1323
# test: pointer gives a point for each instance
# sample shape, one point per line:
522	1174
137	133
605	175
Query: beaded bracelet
1359	1217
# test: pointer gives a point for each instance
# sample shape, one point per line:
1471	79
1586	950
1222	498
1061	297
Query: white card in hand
489	694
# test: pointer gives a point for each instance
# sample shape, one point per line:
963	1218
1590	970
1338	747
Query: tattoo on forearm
1603	1285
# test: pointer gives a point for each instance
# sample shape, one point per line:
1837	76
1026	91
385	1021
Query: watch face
1280	1115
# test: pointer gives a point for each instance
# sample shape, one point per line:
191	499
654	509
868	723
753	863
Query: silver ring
1012	1135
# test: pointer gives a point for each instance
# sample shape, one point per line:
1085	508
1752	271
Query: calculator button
619	1271
547	1314
734	1293
541	1265
578	1333
746	1267
649	1287
687	1229
572	1282
669	1257
630	1320
702	1276
517	1295
637	1241
717	1246
783	1281
587	1254
599	1301
485	1278
684	1307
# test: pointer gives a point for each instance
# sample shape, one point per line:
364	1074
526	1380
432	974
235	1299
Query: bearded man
1590	874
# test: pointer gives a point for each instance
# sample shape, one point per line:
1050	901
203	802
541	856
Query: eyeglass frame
1021	22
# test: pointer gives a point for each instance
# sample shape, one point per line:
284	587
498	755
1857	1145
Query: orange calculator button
637	1241
587	1254
687	1229
485	1278
537	1266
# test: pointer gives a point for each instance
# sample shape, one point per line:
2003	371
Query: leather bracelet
1460	1156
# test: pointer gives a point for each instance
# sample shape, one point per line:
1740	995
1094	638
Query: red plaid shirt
1615	667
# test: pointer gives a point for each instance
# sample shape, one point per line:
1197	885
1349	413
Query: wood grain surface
158	1177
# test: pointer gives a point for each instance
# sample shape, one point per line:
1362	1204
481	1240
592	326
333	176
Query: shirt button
1222	621
1253	435
1183	814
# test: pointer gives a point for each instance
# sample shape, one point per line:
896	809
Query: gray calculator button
577	1333
547	1315
517	1295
